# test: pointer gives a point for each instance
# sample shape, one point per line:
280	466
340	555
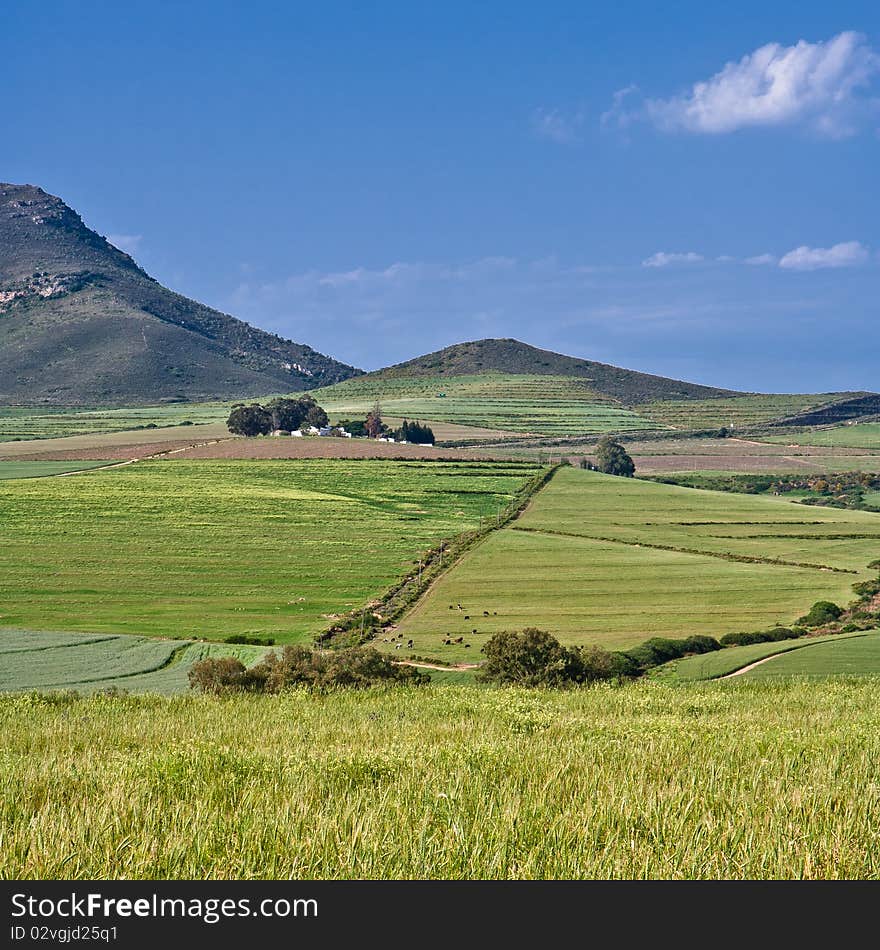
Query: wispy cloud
556	126
664	259
761	260
825	86
126	242
847	254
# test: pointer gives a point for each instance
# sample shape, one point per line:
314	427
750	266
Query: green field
552	405
90	662
735	411
721	780
54	422
862	435
852	656
597	559
212	548
709	666
41	469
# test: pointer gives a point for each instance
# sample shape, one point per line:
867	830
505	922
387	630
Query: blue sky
650	185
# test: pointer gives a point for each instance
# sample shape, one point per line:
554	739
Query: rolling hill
509	385
82	324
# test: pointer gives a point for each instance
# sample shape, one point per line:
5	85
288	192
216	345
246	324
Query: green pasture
709	666
26	469
854	656
212	548
861	435
770	779
553	405
54	422
597	559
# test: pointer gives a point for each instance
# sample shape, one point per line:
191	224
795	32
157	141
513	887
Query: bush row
354	668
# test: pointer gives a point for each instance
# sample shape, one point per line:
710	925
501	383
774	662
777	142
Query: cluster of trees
611	459
282	413
374	427
353	668
414	432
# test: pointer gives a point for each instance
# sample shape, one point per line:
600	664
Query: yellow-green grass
89	662
709	666
862	435
735	411
54	422
554	405
854	656
598	559
213	548
41	469
719	780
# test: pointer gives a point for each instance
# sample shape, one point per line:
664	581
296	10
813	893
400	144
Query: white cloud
556	126
847	254
815	84
664	259
724	258
761	259
126	242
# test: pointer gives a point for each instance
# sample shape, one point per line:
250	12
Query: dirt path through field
751	666
434	666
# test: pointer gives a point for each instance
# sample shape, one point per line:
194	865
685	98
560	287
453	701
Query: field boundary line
406	595
740	558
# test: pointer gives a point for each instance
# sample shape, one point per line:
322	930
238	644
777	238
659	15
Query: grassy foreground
728	780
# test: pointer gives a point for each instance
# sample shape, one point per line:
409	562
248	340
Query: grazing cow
467	617
409	643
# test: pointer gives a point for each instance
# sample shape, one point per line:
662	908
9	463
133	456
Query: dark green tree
531	657
613	459
249	420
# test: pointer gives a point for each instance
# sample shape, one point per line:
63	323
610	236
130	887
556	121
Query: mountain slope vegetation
82	324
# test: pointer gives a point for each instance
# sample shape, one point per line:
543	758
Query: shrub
530	658
224	675
700	644
354	667
822	612
782	633
655	651
743	639
598	664
251	641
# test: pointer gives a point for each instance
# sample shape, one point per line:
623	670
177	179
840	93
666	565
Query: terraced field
735	412
862	435
551	405
211	548
597	559
90	662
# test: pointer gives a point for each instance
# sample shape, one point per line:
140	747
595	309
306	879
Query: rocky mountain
82	324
